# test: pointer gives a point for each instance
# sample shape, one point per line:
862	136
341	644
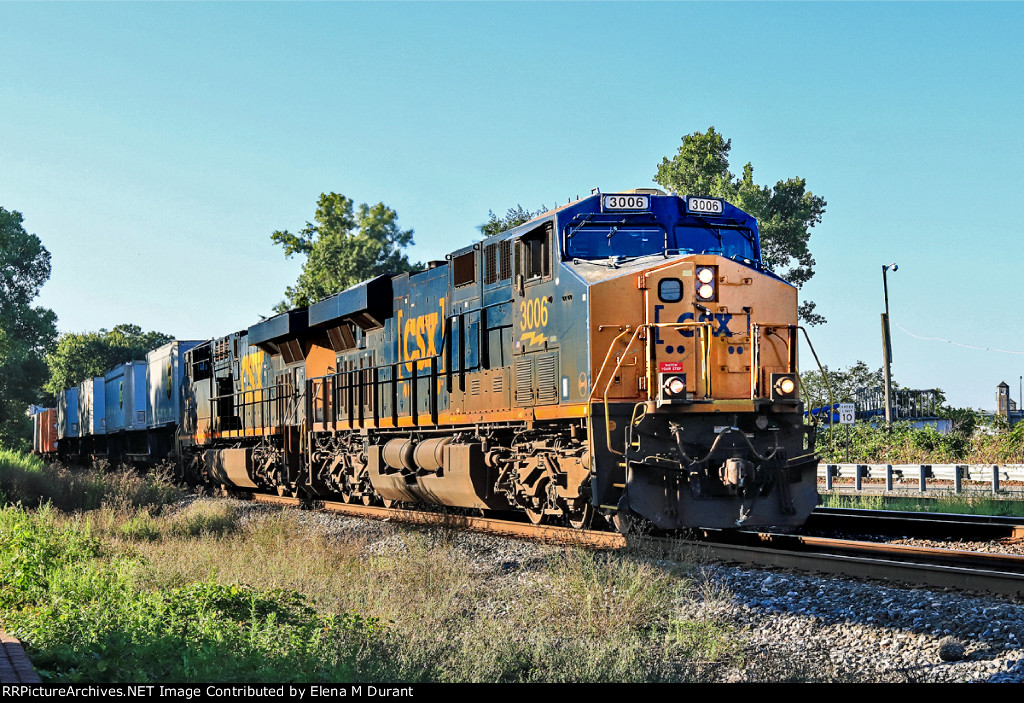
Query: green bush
901	443
26	479
84	618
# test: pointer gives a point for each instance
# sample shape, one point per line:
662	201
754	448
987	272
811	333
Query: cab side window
533	254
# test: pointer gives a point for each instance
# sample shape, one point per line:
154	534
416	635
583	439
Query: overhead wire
958	344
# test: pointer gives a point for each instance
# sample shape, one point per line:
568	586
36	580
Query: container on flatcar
33	412
67	414
164	383
125	410
44	431
125	397
92	419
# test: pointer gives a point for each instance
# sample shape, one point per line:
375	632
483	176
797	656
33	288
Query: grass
133	590
957	503
26	479
116	596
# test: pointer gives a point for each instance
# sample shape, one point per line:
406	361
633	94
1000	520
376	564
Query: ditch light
784	387
671	384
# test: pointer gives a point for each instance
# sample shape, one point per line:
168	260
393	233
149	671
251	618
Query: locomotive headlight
783	386
706	283
676	386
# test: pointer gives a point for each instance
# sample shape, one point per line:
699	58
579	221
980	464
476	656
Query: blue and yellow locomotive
624	356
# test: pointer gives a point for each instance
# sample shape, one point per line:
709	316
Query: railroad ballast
626	356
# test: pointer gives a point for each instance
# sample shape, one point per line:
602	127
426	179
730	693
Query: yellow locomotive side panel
320	363
616	311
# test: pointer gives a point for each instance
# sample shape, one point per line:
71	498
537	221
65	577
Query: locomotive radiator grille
547	386
524	380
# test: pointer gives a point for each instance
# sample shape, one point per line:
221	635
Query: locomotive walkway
14	664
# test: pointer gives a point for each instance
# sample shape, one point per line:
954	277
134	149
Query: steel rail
985	527
942	568
505	528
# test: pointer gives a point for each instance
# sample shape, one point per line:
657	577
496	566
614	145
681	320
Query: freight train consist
129	415
625	356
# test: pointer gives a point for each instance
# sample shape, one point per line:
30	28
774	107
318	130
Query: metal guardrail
916	477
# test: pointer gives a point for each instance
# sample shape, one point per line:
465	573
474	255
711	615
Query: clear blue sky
154	147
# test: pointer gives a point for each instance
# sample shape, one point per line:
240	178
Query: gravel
836	629
873	632
1002	546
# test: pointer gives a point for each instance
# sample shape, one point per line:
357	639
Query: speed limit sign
846	413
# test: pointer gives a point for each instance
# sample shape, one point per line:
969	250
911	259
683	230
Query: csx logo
720	322
420	338
251	370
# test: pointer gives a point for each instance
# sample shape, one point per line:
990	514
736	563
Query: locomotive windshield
600	240
732	242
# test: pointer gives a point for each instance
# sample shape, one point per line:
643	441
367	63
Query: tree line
343	245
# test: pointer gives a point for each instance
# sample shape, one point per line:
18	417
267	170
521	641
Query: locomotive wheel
624	521
537	517
367	499
389	503
583	514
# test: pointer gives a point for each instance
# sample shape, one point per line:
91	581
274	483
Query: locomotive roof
731	214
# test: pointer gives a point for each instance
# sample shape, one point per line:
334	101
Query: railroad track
926	566
892	522
929	566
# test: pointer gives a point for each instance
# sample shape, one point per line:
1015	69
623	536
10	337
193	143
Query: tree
343	247
844	384
79	356
513	218
785	212
26	332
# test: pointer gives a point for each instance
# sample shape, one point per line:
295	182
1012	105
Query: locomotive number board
626	202
704	206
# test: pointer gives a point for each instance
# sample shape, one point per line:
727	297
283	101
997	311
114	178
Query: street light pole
887	344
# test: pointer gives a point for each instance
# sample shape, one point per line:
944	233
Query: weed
26	479
202	594
203	518
947	502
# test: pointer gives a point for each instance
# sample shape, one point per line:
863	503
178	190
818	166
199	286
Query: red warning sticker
670	366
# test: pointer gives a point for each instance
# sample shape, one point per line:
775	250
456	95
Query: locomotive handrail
353	383
705	327
705	341
593	390
824	377
240	402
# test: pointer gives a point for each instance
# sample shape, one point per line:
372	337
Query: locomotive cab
694	358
